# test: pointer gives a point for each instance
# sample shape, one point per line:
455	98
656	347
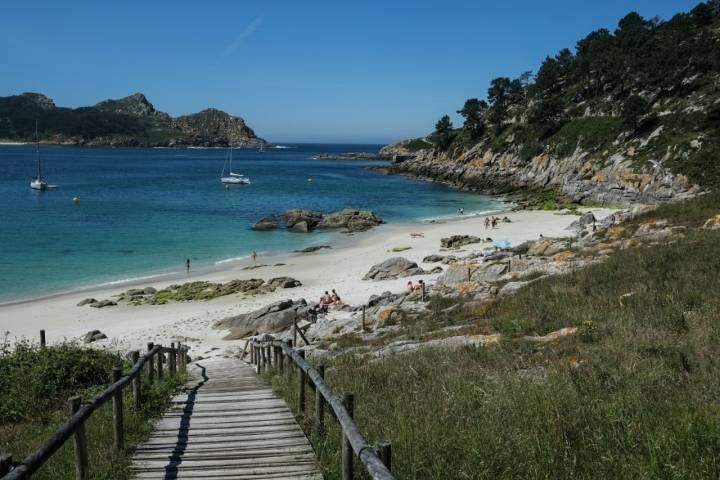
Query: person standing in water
187	266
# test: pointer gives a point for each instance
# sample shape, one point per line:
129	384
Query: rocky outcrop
350	219
304	221
579	177
393	268
273	318
456	241
94	336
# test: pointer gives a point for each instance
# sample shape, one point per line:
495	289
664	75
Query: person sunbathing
336	298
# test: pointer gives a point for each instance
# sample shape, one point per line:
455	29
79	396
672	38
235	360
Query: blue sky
330	71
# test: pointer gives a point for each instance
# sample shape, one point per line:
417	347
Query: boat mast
37	151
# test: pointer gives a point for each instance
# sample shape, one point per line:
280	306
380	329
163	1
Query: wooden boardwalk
226	425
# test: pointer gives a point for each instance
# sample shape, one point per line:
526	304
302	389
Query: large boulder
455	241
301	220
433	258
94	336
272	318
284	282
580	224
352	220
265	224
393	268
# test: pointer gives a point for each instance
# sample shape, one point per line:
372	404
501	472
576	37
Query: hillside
630	115
130	121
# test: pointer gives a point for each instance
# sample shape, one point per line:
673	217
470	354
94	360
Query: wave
232	259
136	279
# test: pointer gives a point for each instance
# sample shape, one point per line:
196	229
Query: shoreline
339	240
341	268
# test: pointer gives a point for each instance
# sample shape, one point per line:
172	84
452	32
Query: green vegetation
630	395
36	384
644	75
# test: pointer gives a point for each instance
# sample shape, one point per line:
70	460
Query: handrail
72	425
364	451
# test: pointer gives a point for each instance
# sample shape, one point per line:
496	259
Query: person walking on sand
187	266
487	223
254	256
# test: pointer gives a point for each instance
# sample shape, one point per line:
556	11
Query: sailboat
231	177
39	182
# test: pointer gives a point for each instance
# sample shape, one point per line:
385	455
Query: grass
633	395
36	385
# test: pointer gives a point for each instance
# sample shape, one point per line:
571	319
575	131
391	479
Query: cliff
627	116
129	121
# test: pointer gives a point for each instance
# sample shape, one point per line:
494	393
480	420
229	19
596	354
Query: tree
498	96
444	132
473	112
525	78
634	108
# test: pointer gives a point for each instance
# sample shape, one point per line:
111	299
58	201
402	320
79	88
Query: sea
141	212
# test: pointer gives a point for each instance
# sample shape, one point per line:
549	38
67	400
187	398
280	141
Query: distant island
131	121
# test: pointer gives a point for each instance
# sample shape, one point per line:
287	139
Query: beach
341	268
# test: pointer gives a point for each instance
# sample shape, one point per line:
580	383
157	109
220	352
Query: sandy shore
341	268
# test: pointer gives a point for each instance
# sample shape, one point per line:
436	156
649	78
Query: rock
312	249
94	336
301	226
539	247
551	337
352	220
437	269
284	282
393	268
433	258
385	298
458	241
272	318
457	273
712	223
87	301
102	304
301	220
449	259
511	288
584	220
522	248
490	272
149	291
265	224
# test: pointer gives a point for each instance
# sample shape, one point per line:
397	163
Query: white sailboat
231	177
39	182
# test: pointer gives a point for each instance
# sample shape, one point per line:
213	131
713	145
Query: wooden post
118	431
295	332
290	346
281	360
5	463
179	357
301	386
151	365
172	366
276	356
42	338
135	355
385	453
347	451
252	353
160	358
363	319
81	464
259	358
319	405
422	297
268	356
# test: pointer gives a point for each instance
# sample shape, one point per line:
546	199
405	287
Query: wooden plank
226	424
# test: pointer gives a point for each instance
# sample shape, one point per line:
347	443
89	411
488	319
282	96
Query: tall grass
35	385
634	395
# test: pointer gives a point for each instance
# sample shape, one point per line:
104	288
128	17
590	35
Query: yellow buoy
76	200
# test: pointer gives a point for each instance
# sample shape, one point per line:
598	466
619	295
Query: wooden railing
75	425
375	459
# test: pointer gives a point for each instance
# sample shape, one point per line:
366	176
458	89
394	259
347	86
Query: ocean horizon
143	211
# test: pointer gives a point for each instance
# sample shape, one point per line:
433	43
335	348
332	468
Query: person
494	222
187	266
594	226
461	211
254	256
487	223
410	287
325	302
336	298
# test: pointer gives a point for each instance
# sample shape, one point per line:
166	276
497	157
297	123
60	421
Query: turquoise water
144	211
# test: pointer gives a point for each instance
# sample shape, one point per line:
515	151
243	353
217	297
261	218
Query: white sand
341	268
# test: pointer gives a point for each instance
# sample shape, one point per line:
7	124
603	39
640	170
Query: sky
363	71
